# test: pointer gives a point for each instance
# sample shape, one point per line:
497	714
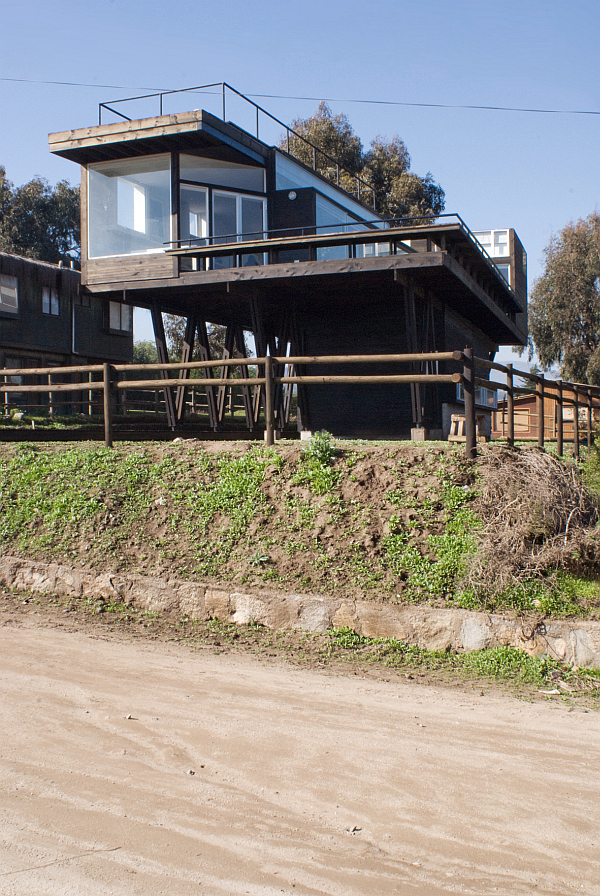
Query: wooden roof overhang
196	131
459	275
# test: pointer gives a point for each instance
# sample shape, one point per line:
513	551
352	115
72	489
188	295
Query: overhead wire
316	99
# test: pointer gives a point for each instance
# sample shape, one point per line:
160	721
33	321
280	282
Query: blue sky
533	172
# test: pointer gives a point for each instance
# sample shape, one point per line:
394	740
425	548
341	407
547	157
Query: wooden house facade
190	215
526	414
46	321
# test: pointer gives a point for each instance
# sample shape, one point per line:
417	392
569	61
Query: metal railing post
510	405
469	390
559	418
539	400
269	424
106	372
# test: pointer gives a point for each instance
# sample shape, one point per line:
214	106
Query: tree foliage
564	306
38	220
399	192
144	352
175	332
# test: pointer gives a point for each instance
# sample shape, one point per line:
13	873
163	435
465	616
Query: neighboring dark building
163	196
45	321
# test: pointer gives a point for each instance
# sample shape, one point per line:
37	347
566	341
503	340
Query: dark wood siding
91	337
378	410
30	328
124	268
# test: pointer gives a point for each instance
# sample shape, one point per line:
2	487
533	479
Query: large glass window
237	218
194	213
333	219
222	174
495	242
290	175
129	206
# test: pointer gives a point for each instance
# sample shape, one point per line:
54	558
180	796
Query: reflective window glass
9	300
236	218
222	174
129	206
194	213
331	219
50	301
119	317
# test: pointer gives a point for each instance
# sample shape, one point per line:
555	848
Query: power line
75	84
317	99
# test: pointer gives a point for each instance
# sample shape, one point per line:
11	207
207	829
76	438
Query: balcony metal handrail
405	222
208	245
259	109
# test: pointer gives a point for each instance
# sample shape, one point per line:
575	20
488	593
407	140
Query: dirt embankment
397	522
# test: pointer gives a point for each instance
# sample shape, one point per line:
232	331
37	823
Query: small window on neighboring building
50	303
84	301
9	299
119	317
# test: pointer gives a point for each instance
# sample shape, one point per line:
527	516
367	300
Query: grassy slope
389	521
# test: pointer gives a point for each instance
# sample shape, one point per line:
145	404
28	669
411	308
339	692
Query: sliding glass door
238	218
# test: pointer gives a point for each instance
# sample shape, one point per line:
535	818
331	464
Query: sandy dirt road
304	782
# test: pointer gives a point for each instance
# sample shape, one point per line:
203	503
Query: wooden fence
109	380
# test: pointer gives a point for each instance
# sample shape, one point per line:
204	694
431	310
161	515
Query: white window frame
124	313
9	294
238	212
240	237
50	301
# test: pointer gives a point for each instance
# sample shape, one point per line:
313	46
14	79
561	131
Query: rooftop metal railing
362	186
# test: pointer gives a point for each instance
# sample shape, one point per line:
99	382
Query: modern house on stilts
191	215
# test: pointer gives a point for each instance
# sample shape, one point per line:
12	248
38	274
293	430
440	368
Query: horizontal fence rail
260	377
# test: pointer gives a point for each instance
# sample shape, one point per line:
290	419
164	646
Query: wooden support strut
186	357
204	352
225	370
163	357
469	391
539	400
575	422
559	418
108	440
510	404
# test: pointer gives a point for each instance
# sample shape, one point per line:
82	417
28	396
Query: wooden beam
186	357
163	357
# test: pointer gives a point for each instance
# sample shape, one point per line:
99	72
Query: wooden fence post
588	395
559	418
269	427
539	400
575	423
510	406
107	406
469	392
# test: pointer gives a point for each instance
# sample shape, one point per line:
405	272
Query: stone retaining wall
574	642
